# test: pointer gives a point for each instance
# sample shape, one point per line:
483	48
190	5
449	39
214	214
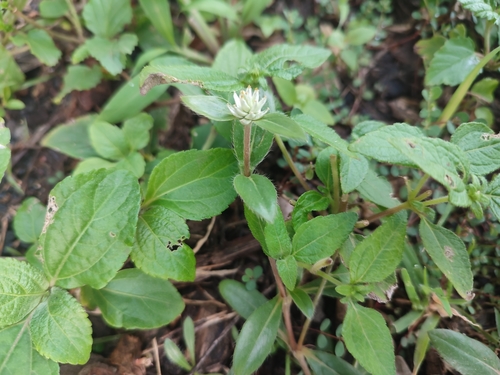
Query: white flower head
247	106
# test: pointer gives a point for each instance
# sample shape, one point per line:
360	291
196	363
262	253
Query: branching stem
247	149
290	162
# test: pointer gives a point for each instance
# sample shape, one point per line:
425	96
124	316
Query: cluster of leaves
120	204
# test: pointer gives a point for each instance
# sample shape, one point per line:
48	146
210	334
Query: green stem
419	186
290	162
436	201
487	34
193	55
390	211
461	91
247	149
210	139
307	323
336	183
320	273
201	28
75	20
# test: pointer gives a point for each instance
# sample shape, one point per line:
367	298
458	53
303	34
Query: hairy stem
336	183
75	20
247	149
201	28
290	162
436	201
390	211
322	274
412	194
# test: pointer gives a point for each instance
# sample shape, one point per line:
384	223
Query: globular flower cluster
248	107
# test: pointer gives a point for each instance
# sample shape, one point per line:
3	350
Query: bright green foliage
12	75
452	62
72	139
158	12
108	140
257	337
53	8
303	302
60	329
80	77
17	355
378	255
21	289
323	363
493	193
480	145
232	57
134	300
257	226
243	301
252	9
481	9
278	241
368	339
4	149
194	184
464	354
175	355
287	269
261	142
218	8
423	340
308	202
136	130
449	253
352	172
28	222
485	89
278	123
106	18
89	251
259	195
40	44
211	107
320	237
158	249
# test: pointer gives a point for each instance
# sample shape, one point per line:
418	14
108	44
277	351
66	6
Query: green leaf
12	75
438	158
232	57
158	12
303	302
464	354
194	184
53	8
480	145
188	334
134	300
252	9
243	301
259	195
60	329
427	48
320	237
158	249
108	140
359	35
377	190
323	363
481	9
92	164
17	356
273	59
257	337
318	110
106	18
322	133
260	143
287	269
449	253
133	162
352	172
379	254
86	241
423	340
128	102
79	77
136	130
216	7
493	193
278	243
452	62
41	45
175	355
257	227
485	89
28	222
207	78
308	202
323	166
110	52
278	123
368	339
286	91
376	145
16	105
72	138
22	287
212	107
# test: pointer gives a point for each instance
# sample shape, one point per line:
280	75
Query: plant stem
436	201
210	139
412	194
247	149
286	305
487	35
390	211
336	183
75	20
461	91
320	273
307	323
290	162
201	28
